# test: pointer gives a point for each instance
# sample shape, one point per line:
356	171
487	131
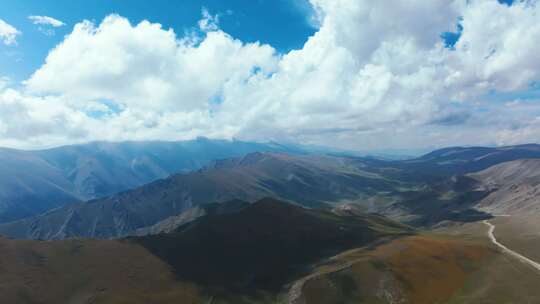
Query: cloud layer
372	76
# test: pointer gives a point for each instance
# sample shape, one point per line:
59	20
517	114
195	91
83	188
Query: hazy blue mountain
32	182
310	180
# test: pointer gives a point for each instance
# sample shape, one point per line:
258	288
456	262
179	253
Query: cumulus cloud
46	20
8	33
147	67
372	76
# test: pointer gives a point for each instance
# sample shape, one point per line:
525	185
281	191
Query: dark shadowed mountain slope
263	245
32	182
309	180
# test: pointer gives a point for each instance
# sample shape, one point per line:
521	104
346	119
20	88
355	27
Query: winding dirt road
507	250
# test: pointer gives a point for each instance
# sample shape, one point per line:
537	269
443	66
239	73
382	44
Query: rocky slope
514	187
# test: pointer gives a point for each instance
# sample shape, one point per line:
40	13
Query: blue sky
284	24
352	74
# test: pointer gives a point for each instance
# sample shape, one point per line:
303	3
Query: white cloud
373	75
147	67
29	121
208	22
497	49
46	20
8	33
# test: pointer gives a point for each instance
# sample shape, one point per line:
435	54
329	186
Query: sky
350	74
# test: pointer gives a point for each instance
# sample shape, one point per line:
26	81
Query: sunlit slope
417	269
460	269
514	187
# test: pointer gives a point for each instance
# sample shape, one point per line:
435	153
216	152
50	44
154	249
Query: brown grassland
416	269
87	272
455	265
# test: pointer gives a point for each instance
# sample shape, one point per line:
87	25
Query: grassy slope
520	233
457	265
502	279
415	269
87	272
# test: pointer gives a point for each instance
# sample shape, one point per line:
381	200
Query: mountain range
423	191
313	181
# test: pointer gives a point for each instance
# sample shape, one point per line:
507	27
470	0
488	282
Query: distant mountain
309	180
32	182
444	191
461	160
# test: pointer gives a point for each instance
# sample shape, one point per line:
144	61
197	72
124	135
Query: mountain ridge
32	182
309	180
